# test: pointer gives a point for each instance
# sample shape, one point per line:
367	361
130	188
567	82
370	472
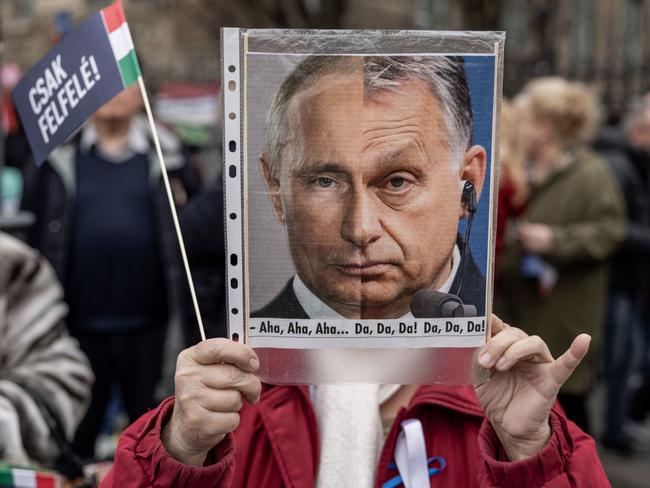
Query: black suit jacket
286	305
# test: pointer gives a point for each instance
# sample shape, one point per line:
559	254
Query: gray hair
445	76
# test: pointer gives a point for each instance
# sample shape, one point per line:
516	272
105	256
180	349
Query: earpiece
468	196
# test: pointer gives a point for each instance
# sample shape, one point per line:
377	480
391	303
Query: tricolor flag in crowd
11	477
88	67
119	36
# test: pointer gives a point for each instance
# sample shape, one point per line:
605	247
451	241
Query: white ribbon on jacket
411	455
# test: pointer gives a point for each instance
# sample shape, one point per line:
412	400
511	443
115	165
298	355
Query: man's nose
361	224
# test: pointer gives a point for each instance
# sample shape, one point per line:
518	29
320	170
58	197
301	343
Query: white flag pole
172	206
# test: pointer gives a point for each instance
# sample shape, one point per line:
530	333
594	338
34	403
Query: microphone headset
427	303
468	198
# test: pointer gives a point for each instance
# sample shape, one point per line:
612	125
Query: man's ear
273	187
473	171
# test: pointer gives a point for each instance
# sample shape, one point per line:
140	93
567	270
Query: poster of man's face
359	207
367	177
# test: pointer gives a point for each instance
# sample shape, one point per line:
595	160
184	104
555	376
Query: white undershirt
349	424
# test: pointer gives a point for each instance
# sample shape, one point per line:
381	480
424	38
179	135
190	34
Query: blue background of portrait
480	76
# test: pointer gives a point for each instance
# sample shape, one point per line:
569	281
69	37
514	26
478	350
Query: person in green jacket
554	269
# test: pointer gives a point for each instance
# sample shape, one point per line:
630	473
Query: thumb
564	366
496	325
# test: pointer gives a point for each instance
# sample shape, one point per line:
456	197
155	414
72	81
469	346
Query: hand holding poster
367	167
87	68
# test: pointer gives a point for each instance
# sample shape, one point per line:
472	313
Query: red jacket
276	445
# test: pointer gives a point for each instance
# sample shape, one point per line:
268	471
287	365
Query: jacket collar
280	404
460	398
278	409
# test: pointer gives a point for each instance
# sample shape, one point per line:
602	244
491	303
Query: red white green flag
89	66
12	477
121	42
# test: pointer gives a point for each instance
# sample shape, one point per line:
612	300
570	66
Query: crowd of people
84	310
96	283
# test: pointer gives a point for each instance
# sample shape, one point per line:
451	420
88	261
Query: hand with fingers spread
523	386
212	380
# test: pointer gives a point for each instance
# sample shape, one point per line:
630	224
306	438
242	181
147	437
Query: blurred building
181	46
606	42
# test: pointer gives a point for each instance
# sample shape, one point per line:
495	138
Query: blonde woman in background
573	222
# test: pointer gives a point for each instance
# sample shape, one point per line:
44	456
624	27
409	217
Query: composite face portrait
364	163
360	211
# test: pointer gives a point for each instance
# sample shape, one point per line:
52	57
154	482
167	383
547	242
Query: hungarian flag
11	477
121	42
89	66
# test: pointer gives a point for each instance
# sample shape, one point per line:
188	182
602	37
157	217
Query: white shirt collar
455	263
316	308
137	141
313	306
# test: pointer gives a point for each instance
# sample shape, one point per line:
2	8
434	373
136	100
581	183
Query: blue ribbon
397	480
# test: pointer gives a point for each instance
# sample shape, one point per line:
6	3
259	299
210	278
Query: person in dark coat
627	150
202	226
103	222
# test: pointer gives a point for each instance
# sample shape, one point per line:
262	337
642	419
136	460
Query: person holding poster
503	433
370	161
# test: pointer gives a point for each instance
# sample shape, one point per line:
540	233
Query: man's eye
397	182
325	182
